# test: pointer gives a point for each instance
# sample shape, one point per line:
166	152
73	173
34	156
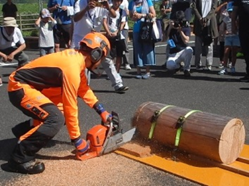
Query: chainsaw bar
115	138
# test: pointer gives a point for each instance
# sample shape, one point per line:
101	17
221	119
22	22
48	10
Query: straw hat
9	22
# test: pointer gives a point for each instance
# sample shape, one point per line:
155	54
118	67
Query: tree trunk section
212	136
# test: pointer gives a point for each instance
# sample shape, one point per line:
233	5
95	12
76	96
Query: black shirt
9	10
176	37
243	12
182	5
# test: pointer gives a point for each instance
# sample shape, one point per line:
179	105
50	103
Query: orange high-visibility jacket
62	75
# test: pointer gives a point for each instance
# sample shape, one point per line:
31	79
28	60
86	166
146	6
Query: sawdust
63	169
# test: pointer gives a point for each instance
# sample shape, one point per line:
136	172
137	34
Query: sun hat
45	13
9	22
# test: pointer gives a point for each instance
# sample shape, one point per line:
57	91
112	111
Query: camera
182	23
100	3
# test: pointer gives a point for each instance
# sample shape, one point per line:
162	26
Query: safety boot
30	167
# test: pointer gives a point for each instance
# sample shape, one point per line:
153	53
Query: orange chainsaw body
96	136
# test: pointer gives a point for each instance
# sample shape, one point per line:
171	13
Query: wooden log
216	137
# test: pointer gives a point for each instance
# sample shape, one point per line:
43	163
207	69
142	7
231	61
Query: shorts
118	48
62	31
232	40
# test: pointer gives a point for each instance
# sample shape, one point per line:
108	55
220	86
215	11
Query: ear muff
97	53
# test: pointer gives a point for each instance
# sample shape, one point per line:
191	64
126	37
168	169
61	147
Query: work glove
106	117
81	146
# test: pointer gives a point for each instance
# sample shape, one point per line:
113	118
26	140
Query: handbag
145	35
151	31
157	34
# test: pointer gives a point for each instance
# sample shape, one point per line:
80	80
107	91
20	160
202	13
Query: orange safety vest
60	77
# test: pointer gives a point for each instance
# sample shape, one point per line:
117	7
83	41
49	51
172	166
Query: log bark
216	137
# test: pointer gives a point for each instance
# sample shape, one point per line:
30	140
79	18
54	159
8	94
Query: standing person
165	9
9	9
124	6
232	42
89	17
143	53
205	30
113	28
45	23
181	5
178	34
221	12
12	43
61	13
241	11
38	88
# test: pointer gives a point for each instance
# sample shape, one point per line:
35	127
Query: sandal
1	81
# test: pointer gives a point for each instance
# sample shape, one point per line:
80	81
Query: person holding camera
180	54
61	13
113	28
45	24
165	9
88	17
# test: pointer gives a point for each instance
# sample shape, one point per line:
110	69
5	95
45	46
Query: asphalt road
206	91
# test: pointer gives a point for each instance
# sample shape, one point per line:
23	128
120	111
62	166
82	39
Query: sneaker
223	71
208	68
232	70
199	68
221	65
139	76
239	54
127	67
230	65
146	76
244	79
187	73
30	167
121	89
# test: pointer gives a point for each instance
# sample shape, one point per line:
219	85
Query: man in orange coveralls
39	88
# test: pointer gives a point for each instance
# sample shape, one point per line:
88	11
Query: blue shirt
136	26
60	13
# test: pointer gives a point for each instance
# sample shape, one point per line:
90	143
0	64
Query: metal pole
40	3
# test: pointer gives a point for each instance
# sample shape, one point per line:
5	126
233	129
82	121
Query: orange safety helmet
99	44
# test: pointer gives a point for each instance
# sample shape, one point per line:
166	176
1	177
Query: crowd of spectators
214	21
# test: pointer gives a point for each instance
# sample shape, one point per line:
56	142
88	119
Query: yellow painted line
194	169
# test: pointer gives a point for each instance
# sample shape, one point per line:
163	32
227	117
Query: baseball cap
230	6
45	13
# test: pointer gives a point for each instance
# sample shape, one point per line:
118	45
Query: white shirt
11	41
113	23
124	5
46	37
92	19
206	7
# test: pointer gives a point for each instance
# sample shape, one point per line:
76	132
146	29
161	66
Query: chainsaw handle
109	133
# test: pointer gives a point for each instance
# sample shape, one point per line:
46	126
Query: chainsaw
106	138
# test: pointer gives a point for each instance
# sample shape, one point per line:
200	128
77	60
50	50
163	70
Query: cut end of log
231	141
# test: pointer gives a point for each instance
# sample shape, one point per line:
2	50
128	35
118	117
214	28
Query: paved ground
205	91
